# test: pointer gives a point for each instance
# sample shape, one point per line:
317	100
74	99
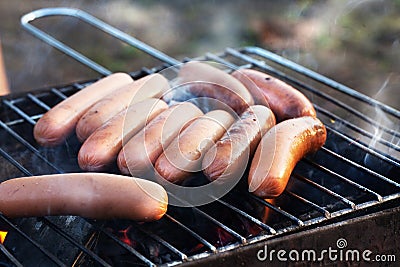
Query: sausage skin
185	153
90	195
279	151
139	154
228	158
101	149
284	100
204	80
151	86
60	121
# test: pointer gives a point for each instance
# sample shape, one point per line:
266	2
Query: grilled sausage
185	153
101	149
60	121
139	154
285	101
153	85
204	80
279	151
90	195
229	157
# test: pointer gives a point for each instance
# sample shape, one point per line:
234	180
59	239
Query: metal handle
77	13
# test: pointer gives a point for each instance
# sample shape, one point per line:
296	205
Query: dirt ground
354	42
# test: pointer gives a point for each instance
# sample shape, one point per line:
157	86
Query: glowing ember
196	248
267	210
125	237
224	237
3	235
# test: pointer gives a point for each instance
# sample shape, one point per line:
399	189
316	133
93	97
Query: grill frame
250	57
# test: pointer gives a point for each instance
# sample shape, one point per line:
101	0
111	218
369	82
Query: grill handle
101	25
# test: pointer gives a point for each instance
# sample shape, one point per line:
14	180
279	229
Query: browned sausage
101	149
229	157
285	101
153	85
140	153
204	80
90	195
185	153
279	151
60	121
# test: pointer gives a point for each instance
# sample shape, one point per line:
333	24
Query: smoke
383	119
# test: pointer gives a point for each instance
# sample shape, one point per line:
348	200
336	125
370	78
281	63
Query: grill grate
358	168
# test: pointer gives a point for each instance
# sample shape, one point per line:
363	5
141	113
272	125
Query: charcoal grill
349	189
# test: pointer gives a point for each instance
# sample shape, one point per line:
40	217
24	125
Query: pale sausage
185	153
139	154
151	86
90	195
60	121
101	149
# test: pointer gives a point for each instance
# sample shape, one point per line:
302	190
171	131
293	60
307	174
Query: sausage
90	195
139	154
279	151
185	153
204	80
60	121
151	86
229	157
285	101
101	149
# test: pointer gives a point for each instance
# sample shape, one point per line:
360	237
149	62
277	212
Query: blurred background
355	42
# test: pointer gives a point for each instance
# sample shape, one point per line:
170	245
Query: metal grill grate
358	168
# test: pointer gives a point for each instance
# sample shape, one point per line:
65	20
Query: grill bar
278	210
160	240
359	166
19	112
320	78
10	256
299	222
26	19
204	214
29	146
362	146
89	244
323	211
45	252
126	247
355	128
267	68
58	93
326	190
248	57
342	178
192	233
213	57
62	233
14	162
244	214
38	102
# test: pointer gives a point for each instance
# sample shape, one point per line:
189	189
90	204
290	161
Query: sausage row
145	147
126	122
